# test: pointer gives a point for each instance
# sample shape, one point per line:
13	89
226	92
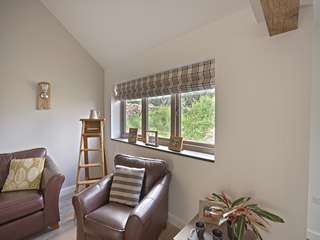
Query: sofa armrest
92	198
151	208
51	183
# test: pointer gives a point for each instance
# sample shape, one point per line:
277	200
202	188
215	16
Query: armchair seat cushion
14	205
108	221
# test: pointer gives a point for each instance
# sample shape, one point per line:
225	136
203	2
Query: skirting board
67	190
313	235
174	220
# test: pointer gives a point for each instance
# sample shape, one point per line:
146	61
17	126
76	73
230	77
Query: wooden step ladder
91	128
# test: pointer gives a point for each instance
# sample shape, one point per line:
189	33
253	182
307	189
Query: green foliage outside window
134	114
159	115
198	119
159	120
197	115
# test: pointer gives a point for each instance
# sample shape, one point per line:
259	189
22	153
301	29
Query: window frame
123	120
175	126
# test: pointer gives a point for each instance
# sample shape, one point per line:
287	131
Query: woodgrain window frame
175	126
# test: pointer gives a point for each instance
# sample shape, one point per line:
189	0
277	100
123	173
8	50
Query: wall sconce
44	90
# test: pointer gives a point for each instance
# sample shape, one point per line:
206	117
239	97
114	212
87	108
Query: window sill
185	153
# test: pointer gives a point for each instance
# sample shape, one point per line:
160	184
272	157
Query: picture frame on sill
176	144
151	138
133	135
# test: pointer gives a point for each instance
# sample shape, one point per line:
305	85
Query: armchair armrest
92	198
152	210
51	184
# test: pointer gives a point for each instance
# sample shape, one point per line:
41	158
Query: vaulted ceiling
112	30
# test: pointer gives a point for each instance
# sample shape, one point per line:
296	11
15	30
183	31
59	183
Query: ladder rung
91	134
90	149
90	165
85	182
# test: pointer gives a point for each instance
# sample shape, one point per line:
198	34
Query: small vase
217	234
93	114
200	229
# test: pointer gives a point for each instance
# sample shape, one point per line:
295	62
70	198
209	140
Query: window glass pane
198	116
134	114
159	115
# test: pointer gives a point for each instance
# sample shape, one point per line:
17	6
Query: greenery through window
189	115
134	114
198	115
159	115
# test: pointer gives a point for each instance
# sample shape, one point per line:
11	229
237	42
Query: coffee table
184	234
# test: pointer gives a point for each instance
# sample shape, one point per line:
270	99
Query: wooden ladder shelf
91	128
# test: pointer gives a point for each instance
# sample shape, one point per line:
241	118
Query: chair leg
54	226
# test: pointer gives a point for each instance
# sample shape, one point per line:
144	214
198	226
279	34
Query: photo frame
151	138
133	134
210	212
176	144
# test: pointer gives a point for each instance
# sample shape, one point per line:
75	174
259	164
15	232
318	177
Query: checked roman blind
194	77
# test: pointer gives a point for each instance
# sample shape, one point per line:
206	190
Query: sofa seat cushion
14	205
108	221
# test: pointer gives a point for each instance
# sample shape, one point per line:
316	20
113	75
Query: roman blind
193	77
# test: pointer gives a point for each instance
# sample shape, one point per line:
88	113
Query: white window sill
186	153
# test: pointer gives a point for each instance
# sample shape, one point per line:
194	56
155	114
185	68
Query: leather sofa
99	219
23	213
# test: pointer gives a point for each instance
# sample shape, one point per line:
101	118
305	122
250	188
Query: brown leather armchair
99	219
23	213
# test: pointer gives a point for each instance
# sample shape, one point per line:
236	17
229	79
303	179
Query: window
198	116
159	115
190	115
133	113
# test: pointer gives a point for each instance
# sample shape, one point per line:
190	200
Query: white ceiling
113	30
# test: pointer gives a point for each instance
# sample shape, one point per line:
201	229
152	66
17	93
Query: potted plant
240	215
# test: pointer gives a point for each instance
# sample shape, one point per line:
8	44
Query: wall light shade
44	88
43	98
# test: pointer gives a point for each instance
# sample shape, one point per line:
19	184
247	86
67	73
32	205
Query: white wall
314	175
35	47
263	97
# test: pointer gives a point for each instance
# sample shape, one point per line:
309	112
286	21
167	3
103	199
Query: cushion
6	158
126	185
14	205
24	174
108	222
154	169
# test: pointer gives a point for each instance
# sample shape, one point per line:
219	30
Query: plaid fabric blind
194	77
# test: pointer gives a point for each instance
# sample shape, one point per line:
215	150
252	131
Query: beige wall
263	92
34	47
314	196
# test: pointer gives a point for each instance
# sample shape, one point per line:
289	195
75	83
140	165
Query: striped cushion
126	185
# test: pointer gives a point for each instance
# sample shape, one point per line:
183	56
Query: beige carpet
67	230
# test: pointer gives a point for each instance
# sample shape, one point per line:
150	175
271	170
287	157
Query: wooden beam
281	15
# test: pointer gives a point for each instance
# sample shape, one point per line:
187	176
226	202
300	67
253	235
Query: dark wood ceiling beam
281	15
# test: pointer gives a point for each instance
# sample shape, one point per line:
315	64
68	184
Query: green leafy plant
198	118
241	215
